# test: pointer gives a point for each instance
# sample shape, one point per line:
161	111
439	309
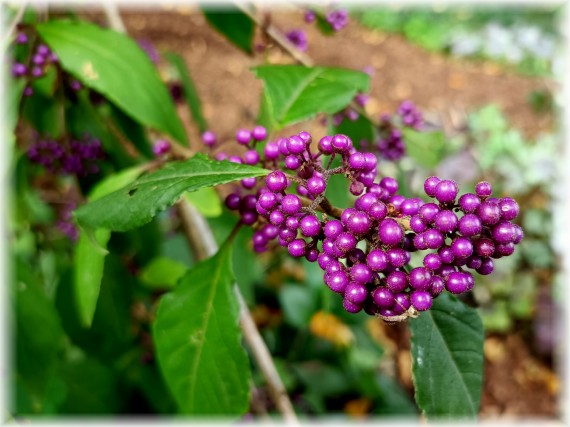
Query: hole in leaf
132	191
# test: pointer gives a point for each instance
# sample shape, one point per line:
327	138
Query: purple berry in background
221	156
338	19
19	70
356	293
75	85
276	217
287	235
291	204
38	59
446	191
271	151
276	181
209	138
383	297
483	189
489	213
421	300
243	136
310	226
509	208
297	248
298	38
248	218
487	267
310	16
251	157
43	49
437	286
390	232
21	38
248	183
235	159
161	147
259	133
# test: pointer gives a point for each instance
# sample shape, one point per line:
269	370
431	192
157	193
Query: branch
201	239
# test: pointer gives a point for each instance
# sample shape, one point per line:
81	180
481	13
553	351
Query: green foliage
297	93
198	344
233	24
162	273
137	203
447	359
426	148
113	64
206	201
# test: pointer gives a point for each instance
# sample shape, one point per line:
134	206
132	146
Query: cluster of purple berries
298	38
77	157
336	18
40	61
390	143
365	250
65	222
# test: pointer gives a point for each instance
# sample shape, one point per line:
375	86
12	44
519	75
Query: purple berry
276	181
486	268
357	161
383	297
337	281
243	136
390	232
377	260
292	223
428	212
446	221
325	145
341	143
437	286
291	204
462	248
361	273
356	293
389	184
316	185
270	231
249	217
401	303
370	162
378	211
446	191
333	228
364	202
433	239
456	283
271	151
233	201
267	200
310	226
417	224
259	133
421	300
295	145
350	306
345	242
276	217
420	278
509	208
489	213
430	184
292	162
484	247
470	225
297	248
432	261
397	257
397	281
503	232
469	202
251	157
483	189
358	223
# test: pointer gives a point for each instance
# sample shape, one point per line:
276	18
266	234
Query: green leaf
137	203
233	24
358	130
162	272
190	92
89	253
206	201
299	304
447	359
133	131
297	93
14	89
114	65
198	341
426	148
44	114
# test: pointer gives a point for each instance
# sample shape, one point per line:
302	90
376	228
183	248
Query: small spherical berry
341	143
332	229
469	202
337	281
504	249
437	286
292	162
276	217
243	136
370	162
377	260
462	248
446	221
401	303
364	202
421	300
345	242
358	223
291	204
509	208
383	297
433	238
310	226
503	232
470	225
487	267
251	157
316	185
356	293
233	201
484	247
357	161
287	235
248	203
350	306
361	273
248	217
397	281
446	191
428	212
324	260
325	145
432	261
276	181
390	232
267	200
270	231
417	224
389	184
248	183
292	223
259	133
271	151
378	211
397	257
295	145
297	248
446	255
483	189
474	262
519	234
312	255
420	278
410	206
456	283
489	213
430	184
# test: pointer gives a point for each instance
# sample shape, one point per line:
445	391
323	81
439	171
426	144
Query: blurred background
487	77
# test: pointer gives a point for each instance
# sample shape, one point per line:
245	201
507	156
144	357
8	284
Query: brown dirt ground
516	383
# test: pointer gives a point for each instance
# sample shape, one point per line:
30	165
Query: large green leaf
447	358
233	24
162	273
137	203
297	93
14	89
190	93
206	201
114	65
198	341
90	255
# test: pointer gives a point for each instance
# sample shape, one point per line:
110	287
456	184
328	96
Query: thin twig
201	239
